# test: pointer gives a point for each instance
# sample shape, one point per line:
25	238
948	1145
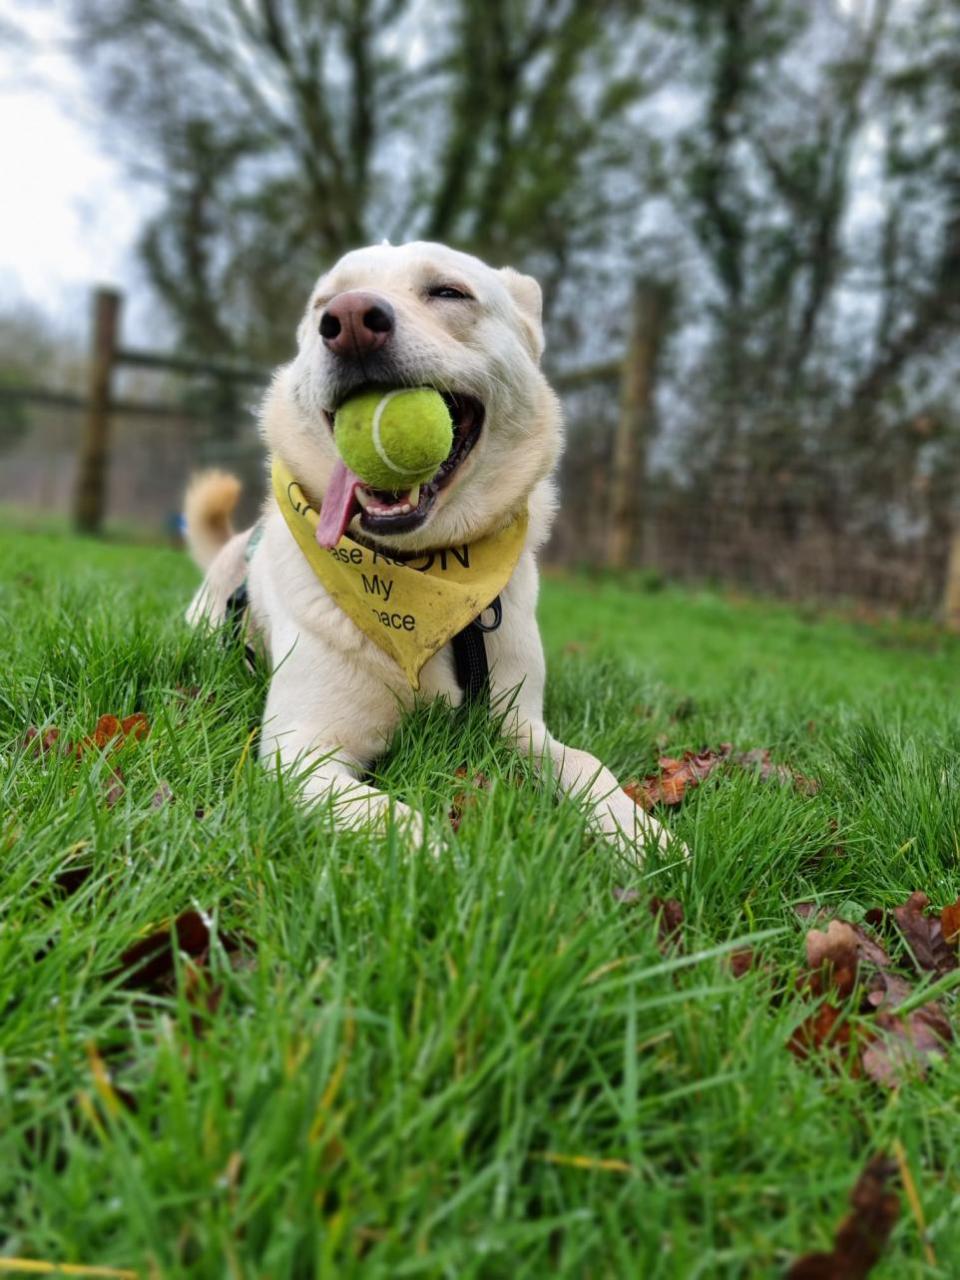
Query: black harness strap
235	615
470	656
236	608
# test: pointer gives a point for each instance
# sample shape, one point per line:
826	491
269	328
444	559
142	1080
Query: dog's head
424	315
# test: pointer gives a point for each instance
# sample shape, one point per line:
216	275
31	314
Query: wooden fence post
91	488
651	313
951	588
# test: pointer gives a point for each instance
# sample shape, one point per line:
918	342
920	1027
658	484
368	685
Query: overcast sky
69	217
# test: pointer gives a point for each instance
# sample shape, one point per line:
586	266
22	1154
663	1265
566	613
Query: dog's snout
356	323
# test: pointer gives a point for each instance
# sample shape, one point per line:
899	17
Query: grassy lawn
484	1067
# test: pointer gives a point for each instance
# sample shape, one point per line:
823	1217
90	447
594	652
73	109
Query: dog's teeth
413	497
362	497
398	509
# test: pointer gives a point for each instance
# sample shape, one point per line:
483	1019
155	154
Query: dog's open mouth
383	512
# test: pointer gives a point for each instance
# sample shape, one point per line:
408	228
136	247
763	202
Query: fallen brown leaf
924	935
950	923
111	729
149	965
67	881
162	796
767	769
42	743
742	961
863	1234
907	1043
868	947
834	955
108	728
466	799
678	775
827	1029
885	1045
110	732
668	914
116	788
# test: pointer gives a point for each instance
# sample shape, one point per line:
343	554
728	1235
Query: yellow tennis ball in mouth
394	439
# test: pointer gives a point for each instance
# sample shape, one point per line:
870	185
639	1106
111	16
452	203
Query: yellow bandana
410	608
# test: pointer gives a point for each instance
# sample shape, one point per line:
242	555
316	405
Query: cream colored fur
335	698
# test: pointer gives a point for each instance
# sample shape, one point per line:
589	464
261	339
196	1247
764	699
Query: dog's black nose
356	323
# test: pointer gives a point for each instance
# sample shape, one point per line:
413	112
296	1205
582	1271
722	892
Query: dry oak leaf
667	912
834	960
827	1028
863	1234
162	796
909	1041
925	935
837	952
742	961
950	923
891	1045
676	775
869	949
112	730
465	799
833	957
759	760
42	743
906	1045
150	963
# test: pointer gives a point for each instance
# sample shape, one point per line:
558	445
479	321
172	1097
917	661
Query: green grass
386	1090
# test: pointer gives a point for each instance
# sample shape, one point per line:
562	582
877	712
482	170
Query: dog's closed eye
453	291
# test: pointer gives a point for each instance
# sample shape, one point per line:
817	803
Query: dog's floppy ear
525	292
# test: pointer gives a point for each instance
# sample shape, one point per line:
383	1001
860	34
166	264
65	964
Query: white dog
413	315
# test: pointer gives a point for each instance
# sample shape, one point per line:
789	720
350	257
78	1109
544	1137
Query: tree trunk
651	314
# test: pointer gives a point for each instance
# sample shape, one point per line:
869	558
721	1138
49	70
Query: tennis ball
394	439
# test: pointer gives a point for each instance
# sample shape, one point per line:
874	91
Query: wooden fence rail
47	399
107	355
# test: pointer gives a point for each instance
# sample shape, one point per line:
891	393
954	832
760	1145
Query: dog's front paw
419	834
633	830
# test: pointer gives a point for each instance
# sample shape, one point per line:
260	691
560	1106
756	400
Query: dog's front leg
325	721
581	775
327	777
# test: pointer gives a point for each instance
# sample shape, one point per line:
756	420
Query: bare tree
283	132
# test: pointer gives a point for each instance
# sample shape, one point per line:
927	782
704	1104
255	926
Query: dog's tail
207	506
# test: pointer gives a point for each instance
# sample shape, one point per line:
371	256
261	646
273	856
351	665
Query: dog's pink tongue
339	504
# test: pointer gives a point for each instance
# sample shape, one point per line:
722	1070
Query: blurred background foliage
783	174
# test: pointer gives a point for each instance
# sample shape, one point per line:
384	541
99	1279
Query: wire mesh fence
828	523
151	457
